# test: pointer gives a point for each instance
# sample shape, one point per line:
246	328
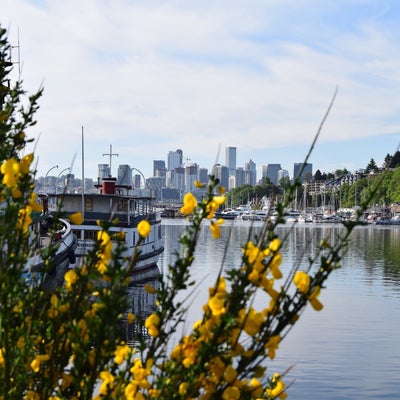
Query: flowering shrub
67	344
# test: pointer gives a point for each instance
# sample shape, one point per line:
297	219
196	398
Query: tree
395	162
388	161
371	167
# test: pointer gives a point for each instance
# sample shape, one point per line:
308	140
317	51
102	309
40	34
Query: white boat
113	203
46	231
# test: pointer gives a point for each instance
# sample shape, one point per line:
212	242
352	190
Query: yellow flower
31	395
230	374
26	163
275	245
302	281
108	382
10	170
130	318
198	184
2	352
38	360
313	298
216	305
121	352
76	218
144	228
24	219
231	393
215	228
189	204
70	278
274	265
256	387
151	324
253	321
149	288
272	345
183	388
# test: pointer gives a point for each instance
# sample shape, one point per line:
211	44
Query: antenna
18	47
110	154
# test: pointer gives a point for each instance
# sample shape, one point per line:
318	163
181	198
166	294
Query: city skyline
161	76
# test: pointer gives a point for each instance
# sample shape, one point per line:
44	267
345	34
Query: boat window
123	205
90	235
88	204
77	233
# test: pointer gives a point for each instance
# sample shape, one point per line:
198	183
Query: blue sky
153	76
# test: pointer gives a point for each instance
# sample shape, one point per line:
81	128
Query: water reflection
142	304
351	349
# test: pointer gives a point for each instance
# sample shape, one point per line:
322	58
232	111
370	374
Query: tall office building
124	175
230	160
175	159
191	175
306	174
103	171
271	171
240	177
250	173
222	173
159	168
283	173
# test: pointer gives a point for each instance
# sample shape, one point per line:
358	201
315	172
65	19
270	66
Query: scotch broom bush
66	343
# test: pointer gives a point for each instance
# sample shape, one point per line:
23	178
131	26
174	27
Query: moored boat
117	203
47	231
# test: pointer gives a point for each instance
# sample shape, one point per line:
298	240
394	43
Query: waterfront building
203	175
283	173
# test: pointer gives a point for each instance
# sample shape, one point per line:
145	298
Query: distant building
250	173
283	173
221	172
240	177
271	171
191	175
159	168
305	175
103	171
230	160
175	159
203	175
124	175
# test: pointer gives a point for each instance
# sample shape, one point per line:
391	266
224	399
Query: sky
148	77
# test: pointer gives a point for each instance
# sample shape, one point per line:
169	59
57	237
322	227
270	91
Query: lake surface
349	350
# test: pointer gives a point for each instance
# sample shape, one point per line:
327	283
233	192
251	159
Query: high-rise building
221	172
175	159
230	160
159	168
124	175
283	173
271	171
103	171
250	173
305	175
191	175
203	175
240	177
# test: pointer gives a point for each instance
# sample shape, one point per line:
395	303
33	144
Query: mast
110	154
83	176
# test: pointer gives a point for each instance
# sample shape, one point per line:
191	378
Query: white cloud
155	76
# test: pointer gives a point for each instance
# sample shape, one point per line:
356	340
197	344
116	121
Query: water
349	350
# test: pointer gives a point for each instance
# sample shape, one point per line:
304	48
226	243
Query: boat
113	202
45	231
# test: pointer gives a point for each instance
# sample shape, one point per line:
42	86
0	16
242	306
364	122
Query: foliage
66	343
